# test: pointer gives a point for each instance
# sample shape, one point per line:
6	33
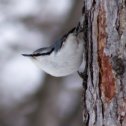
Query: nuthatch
62	58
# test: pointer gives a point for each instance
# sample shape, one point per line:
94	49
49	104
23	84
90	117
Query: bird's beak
28	55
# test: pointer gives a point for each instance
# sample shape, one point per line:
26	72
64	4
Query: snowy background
28	96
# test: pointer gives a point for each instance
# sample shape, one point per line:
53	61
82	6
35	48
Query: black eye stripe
43	54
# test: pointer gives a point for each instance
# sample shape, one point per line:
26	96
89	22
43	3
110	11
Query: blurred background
28	96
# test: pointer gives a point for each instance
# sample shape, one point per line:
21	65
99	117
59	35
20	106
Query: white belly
64	62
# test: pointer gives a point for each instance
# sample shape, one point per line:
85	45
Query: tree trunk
104	84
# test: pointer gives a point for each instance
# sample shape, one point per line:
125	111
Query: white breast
65	61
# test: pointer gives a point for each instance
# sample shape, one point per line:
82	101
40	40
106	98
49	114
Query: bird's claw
81	74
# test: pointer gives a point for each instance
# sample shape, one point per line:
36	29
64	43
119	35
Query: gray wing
58	44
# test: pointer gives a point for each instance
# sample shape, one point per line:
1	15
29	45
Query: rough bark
104	93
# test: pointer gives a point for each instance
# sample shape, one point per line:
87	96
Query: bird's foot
80	74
